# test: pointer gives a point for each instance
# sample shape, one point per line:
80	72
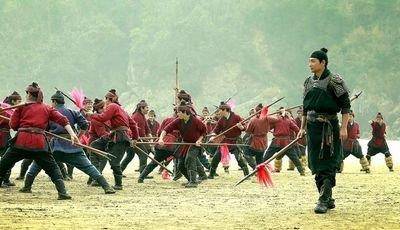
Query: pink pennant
78	96
225	155
231	103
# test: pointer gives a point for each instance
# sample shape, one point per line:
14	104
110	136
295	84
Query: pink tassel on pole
231	103
264	175
165	175
225	155
78	97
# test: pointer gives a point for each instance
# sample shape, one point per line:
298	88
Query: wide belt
31	130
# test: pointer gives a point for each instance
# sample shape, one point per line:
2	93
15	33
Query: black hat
320	55
224	105
58	97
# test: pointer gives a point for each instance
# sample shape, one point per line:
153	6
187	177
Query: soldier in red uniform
257	130
5	136
378	142
283	129
153	123
139	116
124	133
30	141
227	120
351	144
192	130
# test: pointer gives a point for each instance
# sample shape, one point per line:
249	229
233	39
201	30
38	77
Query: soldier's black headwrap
321	55
58	97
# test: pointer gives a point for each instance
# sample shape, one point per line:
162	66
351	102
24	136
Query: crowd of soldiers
194	143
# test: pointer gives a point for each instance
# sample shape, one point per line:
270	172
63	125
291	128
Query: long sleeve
105	115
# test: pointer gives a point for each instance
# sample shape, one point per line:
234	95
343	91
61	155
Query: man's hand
75	140
161	142
240	125
198	143
133	143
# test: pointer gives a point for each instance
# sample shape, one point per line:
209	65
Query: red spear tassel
84	139
165	175
264	175
225	155
264	112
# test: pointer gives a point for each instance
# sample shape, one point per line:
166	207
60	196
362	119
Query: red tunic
142	125
35	116
154	126
353	133
98	129
284	128
169	137
259	128
190	131
378	134
4	130
224	124
118	118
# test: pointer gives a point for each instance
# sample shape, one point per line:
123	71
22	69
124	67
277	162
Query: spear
226	101
187	143
248	118
176	82
94	150
157	162
16	106
356	96
278	154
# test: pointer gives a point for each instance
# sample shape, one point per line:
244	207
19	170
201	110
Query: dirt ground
363	202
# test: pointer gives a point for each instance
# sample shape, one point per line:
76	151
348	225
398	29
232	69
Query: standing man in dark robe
378	142
325	95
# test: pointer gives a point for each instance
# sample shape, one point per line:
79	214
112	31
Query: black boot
28	184
107	188
89	181
62	192
70	171
6	180
64	172
146	171
118	182
201	172
325	198
177	176
212	173
192	179
245	170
